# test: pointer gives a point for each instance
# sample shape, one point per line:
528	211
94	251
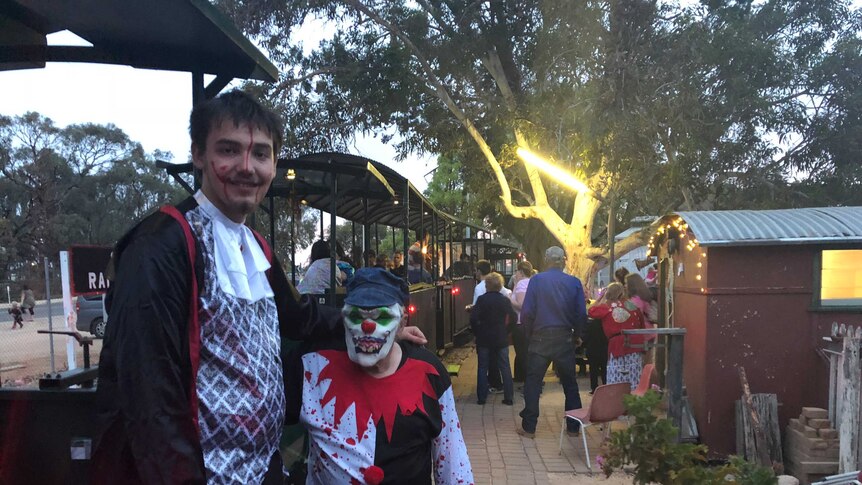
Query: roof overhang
173	35
813	225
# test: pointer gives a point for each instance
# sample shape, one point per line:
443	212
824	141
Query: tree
82	184
653	105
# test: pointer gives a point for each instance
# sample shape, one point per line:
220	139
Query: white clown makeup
370	332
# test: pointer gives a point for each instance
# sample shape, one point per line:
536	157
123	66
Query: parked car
90	315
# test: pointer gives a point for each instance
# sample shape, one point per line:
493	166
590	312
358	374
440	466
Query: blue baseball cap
376	287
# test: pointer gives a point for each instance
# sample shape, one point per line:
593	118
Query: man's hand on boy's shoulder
412	335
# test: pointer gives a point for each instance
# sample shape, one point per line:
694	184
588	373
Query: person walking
490	320
28	301
17	315
483	269
553	317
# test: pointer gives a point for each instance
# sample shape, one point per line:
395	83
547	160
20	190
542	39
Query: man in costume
377	410
191	378
553	317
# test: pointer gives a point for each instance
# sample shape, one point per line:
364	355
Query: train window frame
825	271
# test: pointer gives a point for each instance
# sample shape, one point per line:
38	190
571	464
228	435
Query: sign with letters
88	265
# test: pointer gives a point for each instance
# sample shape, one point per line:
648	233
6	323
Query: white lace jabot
239	261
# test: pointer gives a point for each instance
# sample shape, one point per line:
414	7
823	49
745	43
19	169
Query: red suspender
194	323
267	251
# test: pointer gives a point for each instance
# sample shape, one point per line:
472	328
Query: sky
152	107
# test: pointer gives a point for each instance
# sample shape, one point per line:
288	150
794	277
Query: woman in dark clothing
490	319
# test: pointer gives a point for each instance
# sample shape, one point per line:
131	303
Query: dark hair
464	257
416	257
369	253
484	266
319	250
382	262
636	286
620	275
239	107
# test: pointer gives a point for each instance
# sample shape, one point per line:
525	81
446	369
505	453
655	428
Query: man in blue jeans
553	316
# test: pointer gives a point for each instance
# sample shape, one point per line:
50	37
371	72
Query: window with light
841	278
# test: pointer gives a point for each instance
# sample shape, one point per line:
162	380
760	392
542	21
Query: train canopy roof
367	192
173	35
363	191
813	225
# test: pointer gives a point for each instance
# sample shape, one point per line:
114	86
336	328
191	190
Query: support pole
612	229
849	418
333	208
296	210
50	312
353	244
406	210
366	233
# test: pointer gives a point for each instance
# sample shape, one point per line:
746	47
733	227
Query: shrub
650	444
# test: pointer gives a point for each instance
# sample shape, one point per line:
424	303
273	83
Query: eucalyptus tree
654	105
80	184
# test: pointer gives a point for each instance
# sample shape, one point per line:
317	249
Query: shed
758	289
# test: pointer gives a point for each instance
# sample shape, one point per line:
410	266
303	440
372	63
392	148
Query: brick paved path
499	455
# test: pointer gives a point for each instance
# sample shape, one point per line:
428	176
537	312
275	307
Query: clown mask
370	332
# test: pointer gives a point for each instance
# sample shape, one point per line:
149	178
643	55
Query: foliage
717	104
82	184
650	444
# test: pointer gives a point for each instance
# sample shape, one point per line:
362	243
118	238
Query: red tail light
411	309
456	290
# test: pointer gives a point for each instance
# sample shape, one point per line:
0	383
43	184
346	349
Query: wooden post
833	386
674	379
849	417
760	446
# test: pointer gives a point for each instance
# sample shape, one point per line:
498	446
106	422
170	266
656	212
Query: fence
845	393
26	355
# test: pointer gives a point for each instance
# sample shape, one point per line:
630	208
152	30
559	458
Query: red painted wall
756	311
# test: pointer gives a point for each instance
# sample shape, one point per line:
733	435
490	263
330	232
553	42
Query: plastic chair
646	380
606	406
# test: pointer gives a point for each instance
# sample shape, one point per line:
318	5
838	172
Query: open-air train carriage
366	193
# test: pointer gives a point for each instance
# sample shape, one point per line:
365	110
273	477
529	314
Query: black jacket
490	319
595	341
148	432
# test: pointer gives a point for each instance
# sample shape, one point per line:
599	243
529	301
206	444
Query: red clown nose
368	326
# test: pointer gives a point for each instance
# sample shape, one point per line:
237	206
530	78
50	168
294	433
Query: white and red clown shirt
397	429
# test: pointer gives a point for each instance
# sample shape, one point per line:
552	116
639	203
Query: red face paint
250	145
220	176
